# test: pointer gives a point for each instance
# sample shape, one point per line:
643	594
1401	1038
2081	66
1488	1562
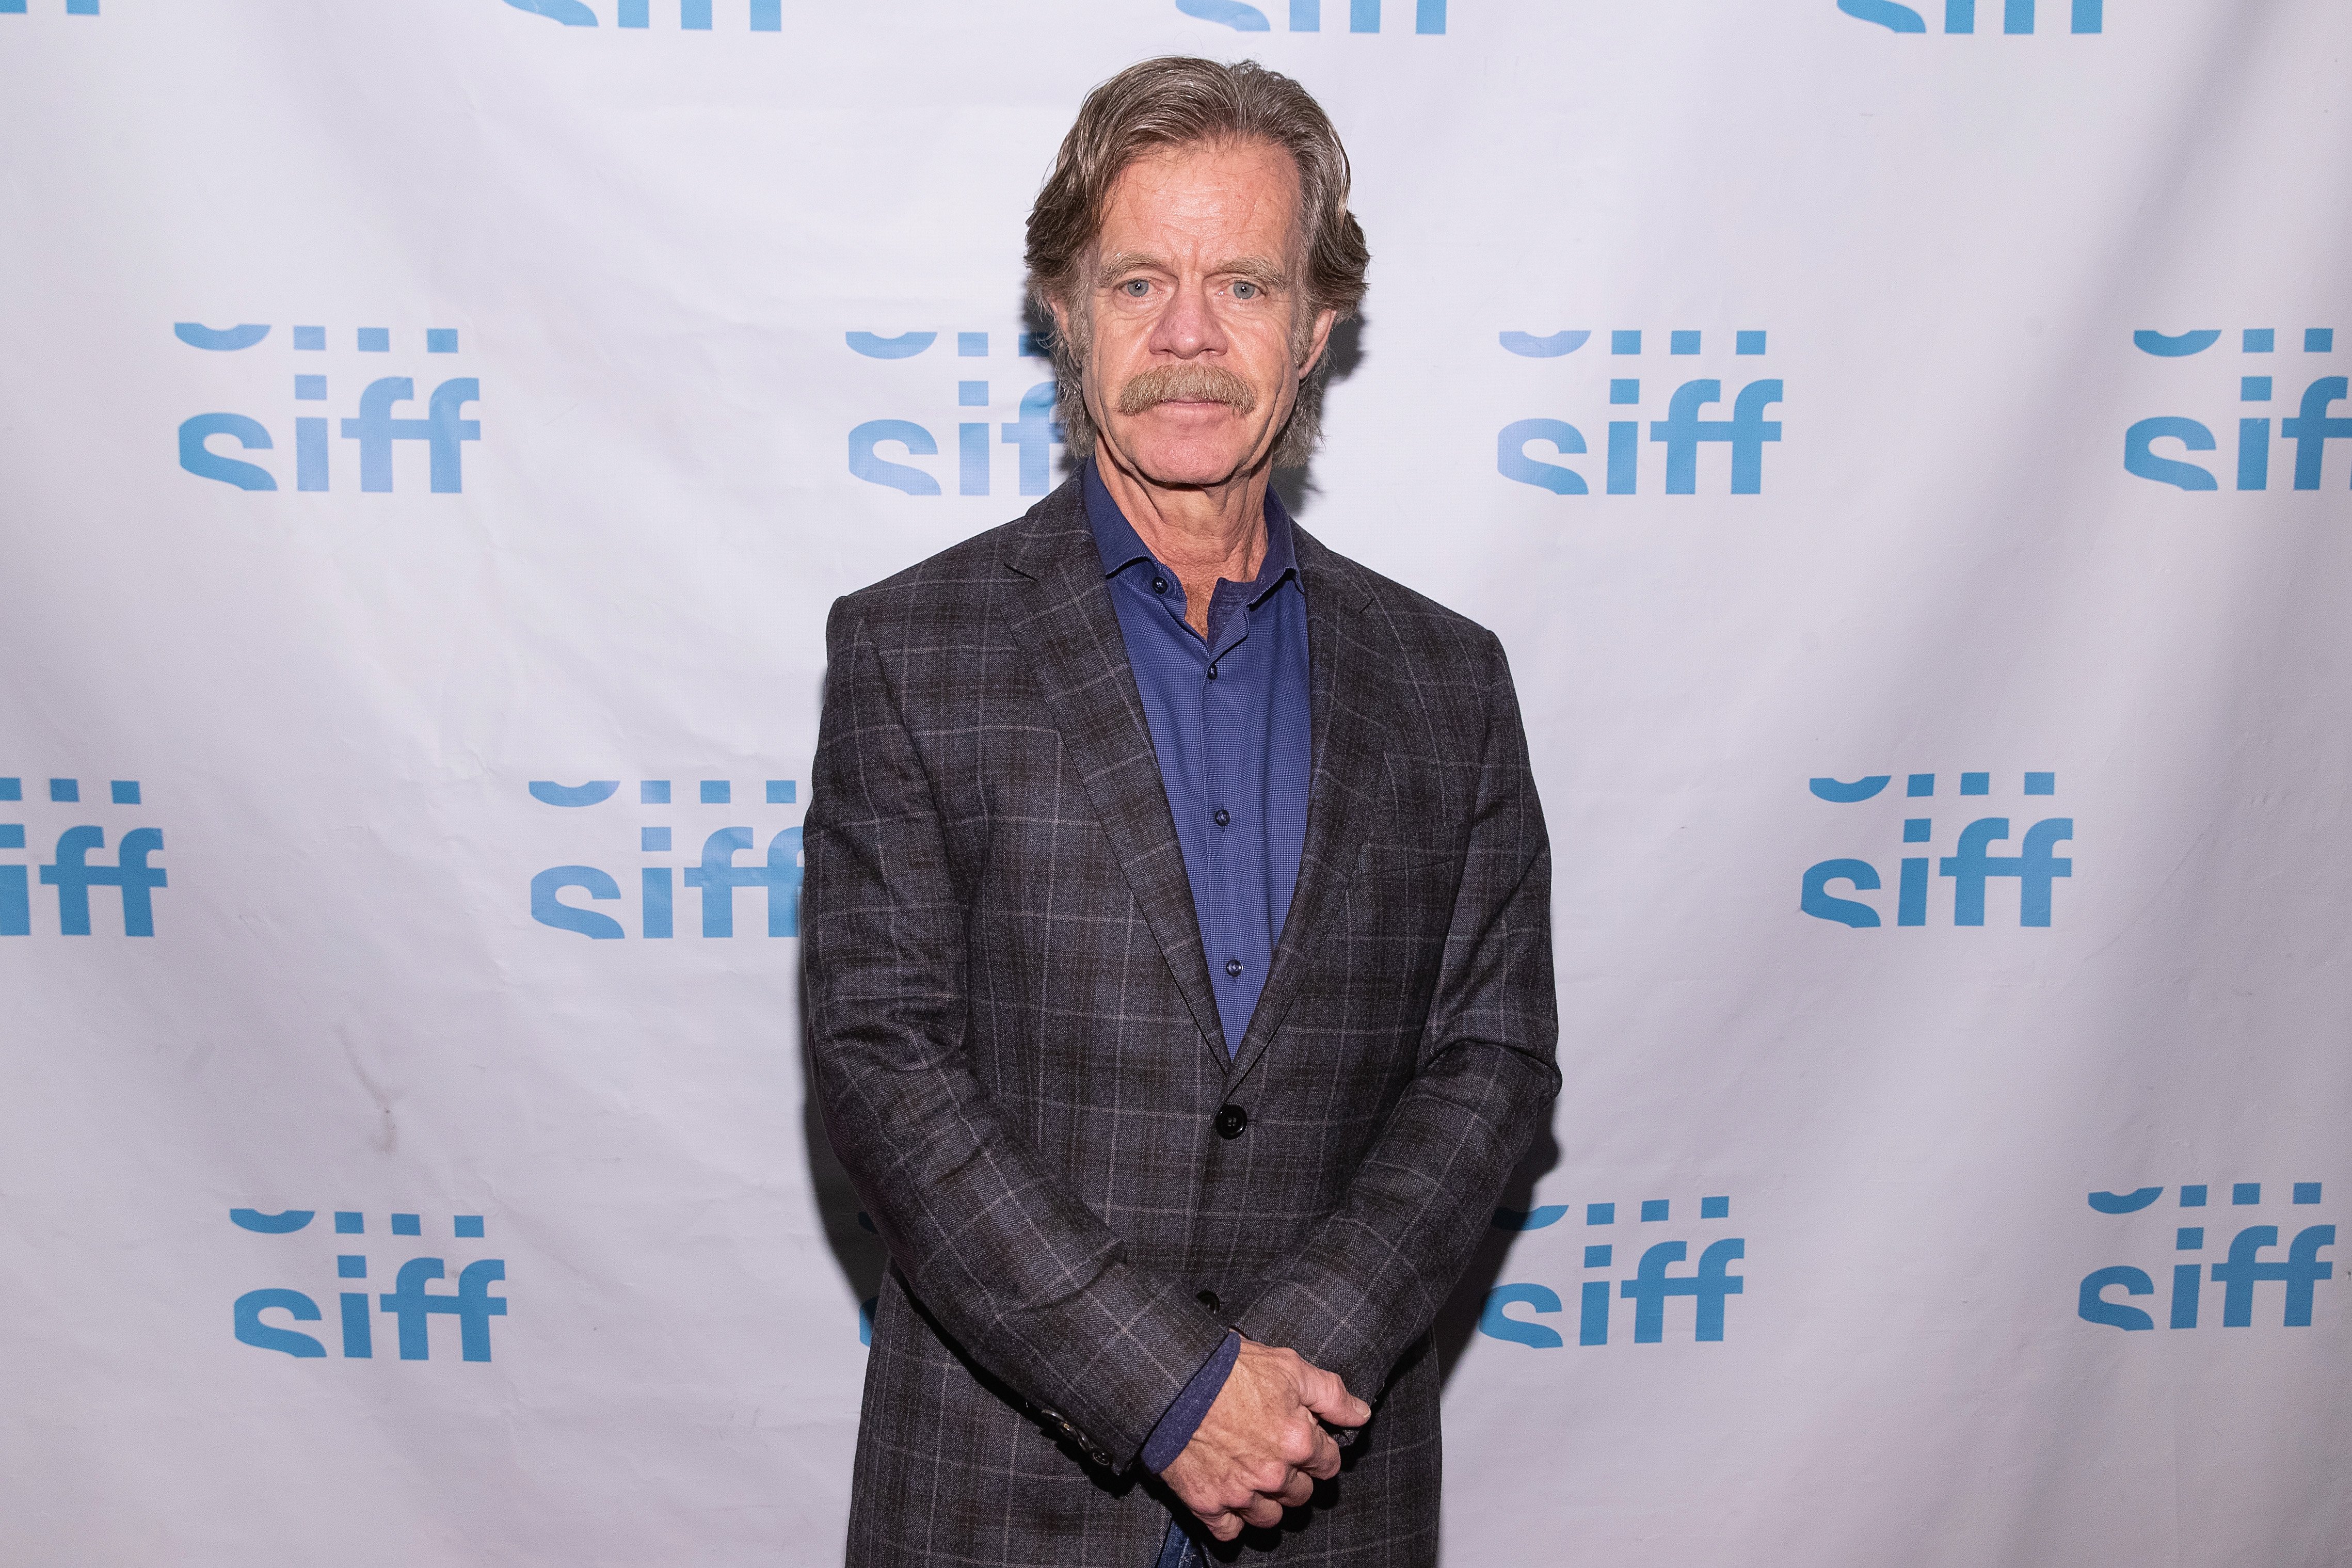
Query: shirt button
1233	967
1223	818
1230	1119
1160	584
1213	672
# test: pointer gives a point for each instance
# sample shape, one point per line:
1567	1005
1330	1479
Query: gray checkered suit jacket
1020	1062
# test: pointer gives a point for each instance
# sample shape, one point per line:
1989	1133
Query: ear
1324	321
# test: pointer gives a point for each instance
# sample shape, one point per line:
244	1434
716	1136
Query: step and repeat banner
1905	448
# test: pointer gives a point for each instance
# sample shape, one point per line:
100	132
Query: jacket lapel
1350	748
1078	655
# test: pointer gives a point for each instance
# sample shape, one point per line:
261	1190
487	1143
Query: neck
1201	533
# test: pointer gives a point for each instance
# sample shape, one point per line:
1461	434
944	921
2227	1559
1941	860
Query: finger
1265	1513
1200	1500
1223	1526
1325	1462
1329	1397
1239	1496
1299	1491
1299	1440
1269	1479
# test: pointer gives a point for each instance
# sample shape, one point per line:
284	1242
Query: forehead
1227	197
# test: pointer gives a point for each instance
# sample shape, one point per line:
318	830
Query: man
1177	918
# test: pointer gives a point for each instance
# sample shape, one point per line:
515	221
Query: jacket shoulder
1418	626
964	567
966	573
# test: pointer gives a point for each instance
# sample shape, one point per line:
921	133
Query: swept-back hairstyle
1173	101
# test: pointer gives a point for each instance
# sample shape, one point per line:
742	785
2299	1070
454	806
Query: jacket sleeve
1369	1281
1019	1273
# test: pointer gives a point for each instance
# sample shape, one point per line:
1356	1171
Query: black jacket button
1230	1119
1208	1298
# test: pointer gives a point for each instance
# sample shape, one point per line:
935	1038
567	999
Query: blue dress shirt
1230	723
1229	720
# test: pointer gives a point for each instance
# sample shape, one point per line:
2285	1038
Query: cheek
1272	343
1271	367
1120	343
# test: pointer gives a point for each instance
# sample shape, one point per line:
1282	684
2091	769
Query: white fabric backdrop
652	251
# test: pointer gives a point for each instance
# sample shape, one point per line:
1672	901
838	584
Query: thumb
1324	1393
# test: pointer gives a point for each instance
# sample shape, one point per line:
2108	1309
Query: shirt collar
1121	547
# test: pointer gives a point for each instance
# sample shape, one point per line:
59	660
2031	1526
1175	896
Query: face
1195	314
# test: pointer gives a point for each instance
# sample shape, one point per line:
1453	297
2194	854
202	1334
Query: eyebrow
1256	269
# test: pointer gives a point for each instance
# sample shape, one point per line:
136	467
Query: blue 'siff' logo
410	1302
693	16
73	8
1306	15
716	876
1969	867
372	429
1032	433
1678	437
73	873
2300	1271
2310	427
1960	15
1650	1287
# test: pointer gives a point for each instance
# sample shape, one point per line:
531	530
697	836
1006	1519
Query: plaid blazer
1020	1062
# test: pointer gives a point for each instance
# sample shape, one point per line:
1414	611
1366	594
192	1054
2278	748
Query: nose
1188	327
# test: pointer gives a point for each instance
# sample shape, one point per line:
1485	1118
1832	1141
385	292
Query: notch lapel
1349	755
1070	636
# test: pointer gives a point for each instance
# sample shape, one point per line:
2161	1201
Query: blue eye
1245	290
1135	288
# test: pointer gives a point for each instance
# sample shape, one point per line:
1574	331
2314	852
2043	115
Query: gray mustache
1186	384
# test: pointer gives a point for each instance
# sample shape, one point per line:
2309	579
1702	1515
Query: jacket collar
1078	655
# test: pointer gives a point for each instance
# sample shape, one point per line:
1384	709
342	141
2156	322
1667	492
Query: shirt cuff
1191	1406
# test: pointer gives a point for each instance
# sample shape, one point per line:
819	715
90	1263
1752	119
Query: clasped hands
1260	1449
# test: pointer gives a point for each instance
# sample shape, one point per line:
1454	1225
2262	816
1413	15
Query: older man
1178	933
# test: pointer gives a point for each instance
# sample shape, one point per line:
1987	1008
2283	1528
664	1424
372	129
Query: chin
1191	457
1189	466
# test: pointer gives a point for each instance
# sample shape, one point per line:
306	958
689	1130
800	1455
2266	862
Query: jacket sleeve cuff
1191	1406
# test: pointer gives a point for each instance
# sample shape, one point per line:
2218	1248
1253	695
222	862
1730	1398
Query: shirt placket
1224	697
